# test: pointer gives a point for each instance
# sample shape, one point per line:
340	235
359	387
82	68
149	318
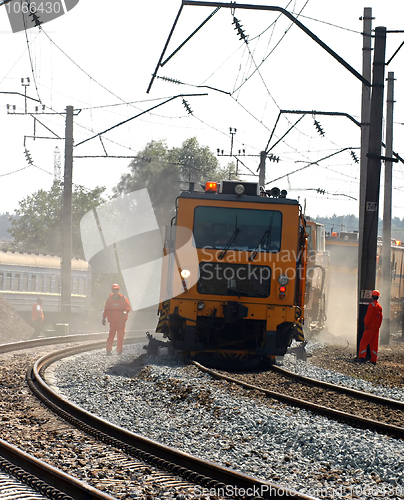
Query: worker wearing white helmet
116	312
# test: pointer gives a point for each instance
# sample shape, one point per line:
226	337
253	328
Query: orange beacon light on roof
211	187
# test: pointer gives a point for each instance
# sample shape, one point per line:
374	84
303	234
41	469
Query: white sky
115	47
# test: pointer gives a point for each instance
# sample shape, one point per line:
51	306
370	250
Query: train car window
25	282
40	283
17	280
244	229
309	237
48	281
320	238
1	281
241	280
33	283
57	284
7	281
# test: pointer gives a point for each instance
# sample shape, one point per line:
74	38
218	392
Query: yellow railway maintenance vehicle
243	296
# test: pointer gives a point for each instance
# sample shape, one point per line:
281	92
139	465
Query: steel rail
44	478
392	403
33	472
62	339
349	418
205	473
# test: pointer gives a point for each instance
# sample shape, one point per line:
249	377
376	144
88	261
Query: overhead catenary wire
309	165
136	116
29	52
272	51
261	122
17	61
84	71
329	24
125	103
15	171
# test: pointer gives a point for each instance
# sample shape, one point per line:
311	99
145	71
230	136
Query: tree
4	227
36	225
164	172
196	163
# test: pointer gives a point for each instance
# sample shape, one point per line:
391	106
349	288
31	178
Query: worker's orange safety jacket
37	313
374	316
116	309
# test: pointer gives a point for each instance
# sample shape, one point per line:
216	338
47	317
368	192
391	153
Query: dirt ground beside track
339	353
12	327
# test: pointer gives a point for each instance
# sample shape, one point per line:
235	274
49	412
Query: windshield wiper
232	238
264	239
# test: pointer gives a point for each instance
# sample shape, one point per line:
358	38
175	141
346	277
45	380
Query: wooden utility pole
387	209
368	247
66	268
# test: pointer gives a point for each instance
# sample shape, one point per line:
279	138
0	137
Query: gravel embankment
179	406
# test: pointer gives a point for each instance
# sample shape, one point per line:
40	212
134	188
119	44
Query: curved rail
44	478
35	473
199	471
392	403
383	428
63	339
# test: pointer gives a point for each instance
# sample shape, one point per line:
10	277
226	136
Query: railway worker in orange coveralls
37	317
116	312
370	337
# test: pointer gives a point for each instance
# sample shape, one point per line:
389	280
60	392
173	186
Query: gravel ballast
290	363
163	400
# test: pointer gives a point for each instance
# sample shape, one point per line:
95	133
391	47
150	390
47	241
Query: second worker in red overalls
116	312
370	337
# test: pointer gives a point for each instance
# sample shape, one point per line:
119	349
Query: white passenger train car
26	276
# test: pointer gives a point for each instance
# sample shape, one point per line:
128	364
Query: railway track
382	415
207	475
31	474
54	482
165	465
25	476
11	489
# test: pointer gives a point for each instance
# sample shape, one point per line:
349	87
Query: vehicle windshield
237	229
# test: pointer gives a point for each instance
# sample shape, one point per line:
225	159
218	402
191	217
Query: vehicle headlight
239	189
283	280
185	273
201	305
